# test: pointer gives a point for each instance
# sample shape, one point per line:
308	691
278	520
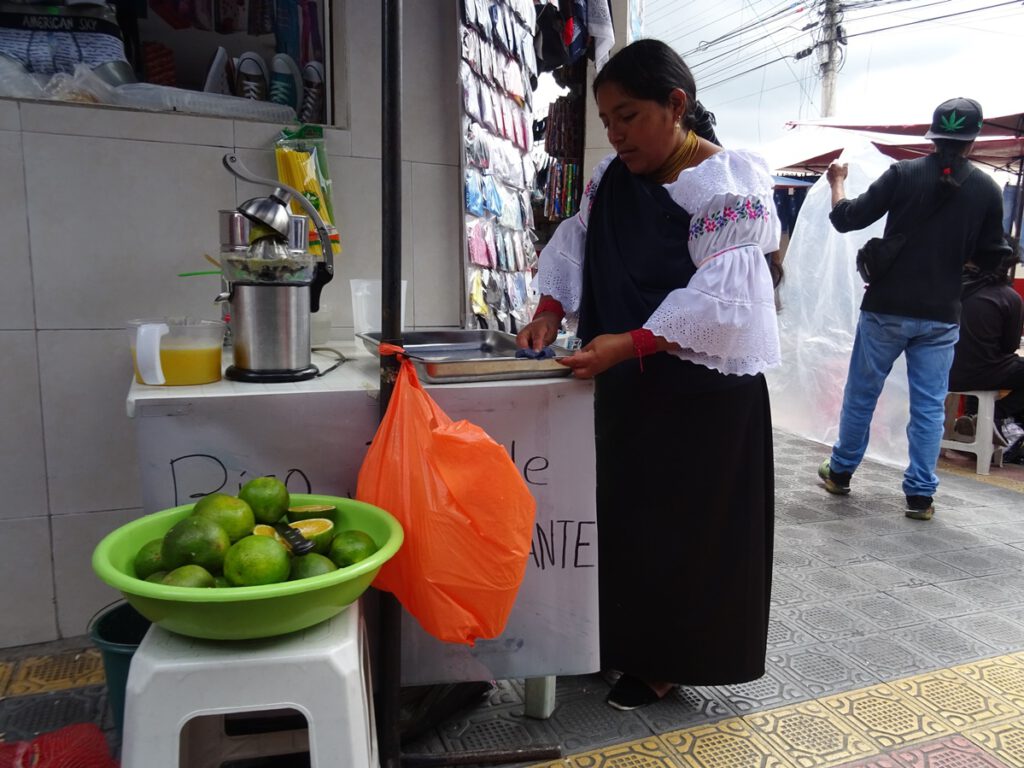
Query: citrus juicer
271	300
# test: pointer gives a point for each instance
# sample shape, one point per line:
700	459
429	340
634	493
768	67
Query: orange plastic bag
466	511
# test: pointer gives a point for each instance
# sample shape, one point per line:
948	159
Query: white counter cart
197	440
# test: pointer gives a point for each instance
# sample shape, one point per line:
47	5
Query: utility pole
829	53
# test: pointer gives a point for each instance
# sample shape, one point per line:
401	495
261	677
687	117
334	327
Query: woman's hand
540	332
600	354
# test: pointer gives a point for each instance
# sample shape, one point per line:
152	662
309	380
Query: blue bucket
117	632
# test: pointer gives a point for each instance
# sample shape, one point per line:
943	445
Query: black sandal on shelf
631	692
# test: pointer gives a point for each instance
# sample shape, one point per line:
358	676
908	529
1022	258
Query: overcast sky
902	74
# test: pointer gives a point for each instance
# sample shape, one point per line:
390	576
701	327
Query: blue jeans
928	346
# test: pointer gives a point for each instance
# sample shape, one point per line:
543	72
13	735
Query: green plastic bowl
243	613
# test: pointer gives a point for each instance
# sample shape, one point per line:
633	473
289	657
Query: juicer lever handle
236	167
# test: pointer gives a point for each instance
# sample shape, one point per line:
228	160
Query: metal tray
452	357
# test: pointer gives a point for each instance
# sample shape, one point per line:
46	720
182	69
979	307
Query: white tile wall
80	593
16	309
114	123
436	276
103	208
22	464
361	36
26	601
430	103
112	224
430	120
90	441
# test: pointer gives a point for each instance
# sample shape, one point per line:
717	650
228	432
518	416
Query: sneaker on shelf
312	110
285	81
251	77
920	507
220	75
835	482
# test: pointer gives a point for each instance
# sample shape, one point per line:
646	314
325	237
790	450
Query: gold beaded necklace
681	158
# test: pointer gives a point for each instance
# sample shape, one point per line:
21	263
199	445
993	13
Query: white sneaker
220	74
312	110
251	77
285	81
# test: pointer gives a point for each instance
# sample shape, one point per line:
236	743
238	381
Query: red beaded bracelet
547	304
644	343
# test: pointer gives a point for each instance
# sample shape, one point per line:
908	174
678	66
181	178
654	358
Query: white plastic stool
984	429
322	672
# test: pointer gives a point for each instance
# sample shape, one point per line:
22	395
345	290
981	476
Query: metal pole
828	63
390	644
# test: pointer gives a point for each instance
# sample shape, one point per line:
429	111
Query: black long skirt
685	510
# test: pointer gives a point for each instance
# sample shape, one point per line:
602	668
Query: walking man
943	210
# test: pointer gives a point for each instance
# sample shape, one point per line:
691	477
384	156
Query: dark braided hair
651	70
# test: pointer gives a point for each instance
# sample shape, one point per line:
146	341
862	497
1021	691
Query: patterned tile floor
893	644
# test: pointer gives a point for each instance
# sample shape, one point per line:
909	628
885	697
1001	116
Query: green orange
195	541
189	576
306	566
232	514
268	498
256	560
268	530
148	560
349	547
309	511
318	530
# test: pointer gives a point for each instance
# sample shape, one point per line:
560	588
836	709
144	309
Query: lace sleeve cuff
561	265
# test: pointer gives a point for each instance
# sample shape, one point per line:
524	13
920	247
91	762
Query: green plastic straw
205	272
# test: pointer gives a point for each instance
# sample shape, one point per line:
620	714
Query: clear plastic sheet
820	299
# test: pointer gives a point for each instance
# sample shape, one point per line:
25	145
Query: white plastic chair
984	432
322	672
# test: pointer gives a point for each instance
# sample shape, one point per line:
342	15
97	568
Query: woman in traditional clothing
665	267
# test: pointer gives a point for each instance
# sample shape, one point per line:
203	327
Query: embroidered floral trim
746	210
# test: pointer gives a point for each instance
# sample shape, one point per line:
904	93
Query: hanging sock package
301	156
465	509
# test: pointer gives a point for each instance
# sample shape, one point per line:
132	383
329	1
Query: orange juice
188	365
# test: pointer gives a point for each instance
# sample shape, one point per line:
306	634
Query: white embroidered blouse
725	317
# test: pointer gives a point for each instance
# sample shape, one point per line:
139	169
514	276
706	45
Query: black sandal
631	692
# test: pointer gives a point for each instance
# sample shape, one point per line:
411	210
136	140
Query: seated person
991	324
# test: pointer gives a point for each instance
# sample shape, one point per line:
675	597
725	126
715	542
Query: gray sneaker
920	507
251	77
835	482
312	109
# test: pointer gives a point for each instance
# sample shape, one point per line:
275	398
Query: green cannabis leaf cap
958	119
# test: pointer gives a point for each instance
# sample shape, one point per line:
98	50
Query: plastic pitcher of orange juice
176	351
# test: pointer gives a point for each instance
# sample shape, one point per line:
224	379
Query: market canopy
812	148
813	144
1005	126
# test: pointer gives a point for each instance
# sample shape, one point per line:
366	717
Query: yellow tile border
999	675
887	718
726	744
955	699
649	752
1004	741
810	735
71	669
981	700
6	671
